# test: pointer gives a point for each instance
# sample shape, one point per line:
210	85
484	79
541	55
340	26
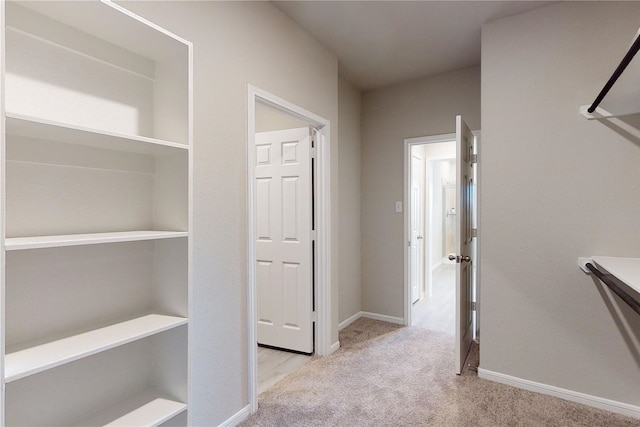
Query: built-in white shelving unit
95	217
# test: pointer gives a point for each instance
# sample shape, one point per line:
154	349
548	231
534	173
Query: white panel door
283	224
464	240
417	226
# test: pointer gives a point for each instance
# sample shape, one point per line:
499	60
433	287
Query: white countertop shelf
41	242
627	270
149	408
48	130
39	358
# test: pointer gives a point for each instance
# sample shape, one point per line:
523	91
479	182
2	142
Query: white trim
3	215
144	21
418	140
478	144
237	418
383	317
190	252
370	315
334	347
349	321
570	395
323	345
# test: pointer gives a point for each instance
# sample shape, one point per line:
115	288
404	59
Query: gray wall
389	115
350	144
236	43
554	187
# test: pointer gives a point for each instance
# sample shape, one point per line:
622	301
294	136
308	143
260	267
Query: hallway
438	312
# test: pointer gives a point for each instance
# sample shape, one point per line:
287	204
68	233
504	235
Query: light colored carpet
388	375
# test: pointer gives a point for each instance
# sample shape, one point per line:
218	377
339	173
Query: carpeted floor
389	375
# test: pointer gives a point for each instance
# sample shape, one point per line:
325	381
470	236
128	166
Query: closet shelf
41	242
627	270
33	127
625	99
621	275
39	358
149	408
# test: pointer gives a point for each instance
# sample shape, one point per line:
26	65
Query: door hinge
474	158
313	152
474	232
313	235
473	306
314	316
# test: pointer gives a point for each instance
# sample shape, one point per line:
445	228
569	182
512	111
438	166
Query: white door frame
408	143
323	230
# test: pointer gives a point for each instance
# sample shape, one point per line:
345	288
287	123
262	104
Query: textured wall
554	187
349	112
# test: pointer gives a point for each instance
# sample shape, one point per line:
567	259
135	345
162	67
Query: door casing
322	291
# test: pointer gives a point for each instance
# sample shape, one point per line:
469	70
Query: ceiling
382	43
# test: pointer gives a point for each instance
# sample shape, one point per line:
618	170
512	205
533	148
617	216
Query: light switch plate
398	206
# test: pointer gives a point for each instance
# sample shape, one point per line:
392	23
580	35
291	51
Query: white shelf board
41	242
149	408
627	270
39	358
116	25
48	130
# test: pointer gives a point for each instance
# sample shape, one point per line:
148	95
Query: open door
464	239
283	225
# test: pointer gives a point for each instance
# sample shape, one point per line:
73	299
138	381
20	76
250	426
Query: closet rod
614	77
608	279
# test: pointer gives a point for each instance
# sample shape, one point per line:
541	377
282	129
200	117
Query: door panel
464	239
283	239
417	226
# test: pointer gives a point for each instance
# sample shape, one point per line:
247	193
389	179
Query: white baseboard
573	396
349	321
237	418
383	317
369	315
335	346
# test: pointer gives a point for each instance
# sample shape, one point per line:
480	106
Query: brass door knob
462	258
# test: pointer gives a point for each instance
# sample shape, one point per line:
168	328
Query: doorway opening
432	213
288	246
441	255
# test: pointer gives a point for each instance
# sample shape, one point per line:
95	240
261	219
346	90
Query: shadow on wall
628	127
626	319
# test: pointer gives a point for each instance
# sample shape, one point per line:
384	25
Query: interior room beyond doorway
432	215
